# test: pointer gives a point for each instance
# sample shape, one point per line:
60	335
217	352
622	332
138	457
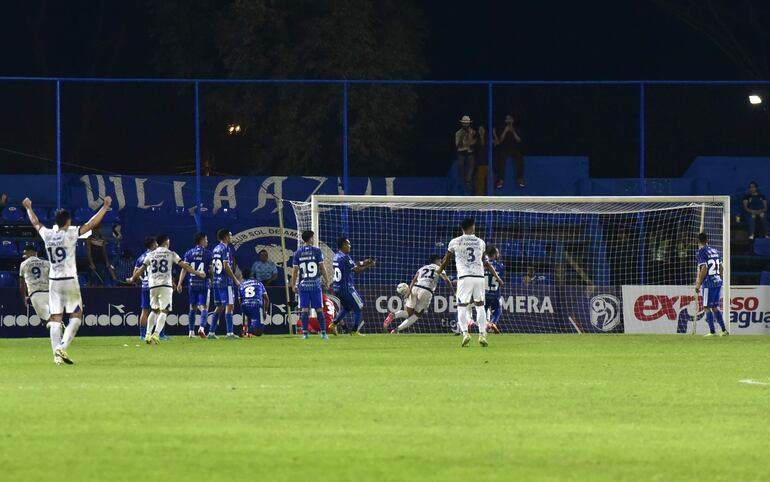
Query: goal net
571	265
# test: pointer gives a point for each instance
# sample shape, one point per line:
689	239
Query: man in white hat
465	141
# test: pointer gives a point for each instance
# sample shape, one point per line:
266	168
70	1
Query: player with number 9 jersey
33	272
222	283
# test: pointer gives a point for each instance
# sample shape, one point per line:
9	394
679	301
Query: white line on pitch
753	382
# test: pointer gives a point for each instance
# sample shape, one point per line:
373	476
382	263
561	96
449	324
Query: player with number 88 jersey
307	277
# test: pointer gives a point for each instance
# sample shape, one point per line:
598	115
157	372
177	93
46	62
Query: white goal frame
724	200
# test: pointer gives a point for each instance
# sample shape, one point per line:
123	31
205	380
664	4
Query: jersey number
249	292
428	273
218	266
471	255
492	284
337	274
310	270
36	272
56	255
713	265
161	266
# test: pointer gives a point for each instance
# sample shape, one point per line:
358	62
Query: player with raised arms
709	283
468	251
159	264
33	286
419	295
307	277
63	286
199	258
254	304
350	300
495	310
150	244
223	281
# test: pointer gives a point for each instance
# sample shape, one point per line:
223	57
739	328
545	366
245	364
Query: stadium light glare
233	129
755	99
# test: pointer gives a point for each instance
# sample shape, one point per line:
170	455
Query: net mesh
567	265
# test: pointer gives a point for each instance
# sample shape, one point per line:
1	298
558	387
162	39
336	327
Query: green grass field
539	407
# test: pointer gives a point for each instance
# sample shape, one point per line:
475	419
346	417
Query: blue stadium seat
762	247
8	248
8	280
227	213
764	278
13	214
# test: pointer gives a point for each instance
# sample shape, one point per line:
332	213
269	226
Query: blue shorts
311	298
711	295
199	296
223	296
145	301
493	304
254	312
350	300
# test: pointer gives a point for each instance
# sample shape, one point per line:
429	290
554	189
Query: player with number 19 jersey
712	283
222	283
199	258
308	260
63	275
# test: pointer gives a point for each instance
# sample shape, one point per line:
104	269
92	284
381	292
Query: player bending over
33	286
254	304
307	275
494	310
350	300
160	263
150	244
420	293
200	259
223	281
63	286
470	261
710	269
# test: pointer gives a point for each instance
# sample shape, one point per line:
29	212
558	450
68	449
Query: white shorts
418	299
64	296
39	301
470	289
161	297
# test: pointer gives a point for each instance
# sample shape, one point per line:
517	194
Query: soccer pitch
529	407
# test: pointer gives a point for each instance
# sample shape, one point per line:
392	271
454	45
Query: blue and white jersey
308	260
219	257
199	258
343	273
145	276
710	257
251	292
493	287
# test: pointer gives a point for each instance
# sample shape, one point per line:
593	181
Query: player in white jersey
159	264
63	287
33	287
470	258
420	293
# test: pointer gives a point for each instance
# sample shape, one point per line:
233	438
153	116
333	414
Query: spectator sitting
264	270
507	144
99	261
465	142
755	205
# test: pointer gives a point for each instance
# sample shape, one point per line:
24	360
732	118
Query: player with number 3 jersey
709	283
308	275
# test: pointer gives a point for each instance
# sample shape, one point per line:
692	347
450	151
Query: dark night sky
541	40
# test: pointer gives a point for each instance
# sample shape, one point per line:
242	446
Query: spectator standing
102	272
264	270
755	205
465	142
507	143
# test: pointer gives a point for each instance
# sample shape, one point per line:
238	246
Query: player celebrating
199	258
63	287
710	269
470	261
493	289
418	300
33	286
307	275
254	304
223	281
159	264
343	288
150	245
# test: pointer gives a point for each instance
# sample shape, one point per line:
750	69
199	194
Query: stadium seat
9	249
8	280
762	247
764	278
13	214
227	213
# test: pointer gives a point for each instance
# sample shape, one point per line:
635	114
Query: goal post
623	264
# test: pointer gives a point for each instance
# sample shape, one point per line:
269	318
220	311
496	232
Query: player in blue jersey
254	304
223	284
492	292
709	283
150	244
199	257
350	300
308	278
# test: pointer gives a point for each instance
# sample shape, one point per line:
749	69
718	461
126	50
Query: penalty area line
753	382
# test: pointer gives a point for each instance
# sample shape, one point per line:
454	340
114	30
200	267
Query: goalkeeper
419	294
